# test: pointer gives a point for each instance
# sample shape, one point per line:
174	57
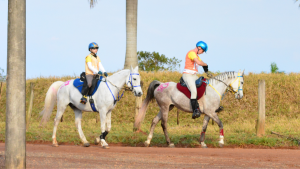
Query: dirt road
69	156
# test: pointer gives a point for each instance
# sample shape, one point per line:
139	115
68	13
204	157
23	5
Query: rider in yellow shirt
93	67
192	61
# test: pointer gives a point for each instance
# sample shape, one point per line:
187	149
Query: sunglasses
95	48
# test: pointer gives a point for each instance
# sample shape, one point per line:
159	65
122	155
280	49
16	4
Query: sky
248	34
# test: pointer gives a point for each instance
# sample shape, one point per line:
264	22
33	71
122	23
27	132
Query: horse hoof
86	144
146	144
54	145
97	141
203	146
105	147
221	145
171	145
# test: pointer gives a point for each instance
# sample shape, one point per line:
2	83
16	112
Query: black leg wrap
221	108
103	135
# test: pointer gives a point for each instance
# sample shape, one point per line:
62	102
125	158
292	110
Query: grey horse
105	99
167	96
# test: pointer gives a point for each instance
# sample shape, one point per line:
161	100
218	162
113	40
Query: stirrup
196	114
83	100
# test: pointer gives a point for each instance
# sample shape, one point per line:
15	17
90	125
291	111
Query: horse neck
227	78
119	78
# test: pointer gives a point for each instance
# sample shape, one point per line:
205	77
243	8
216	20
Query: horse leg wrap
203	135
221	132
103	135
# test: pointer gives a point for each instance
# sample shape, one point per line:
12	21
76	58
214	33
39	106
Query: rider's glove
205	68
100	73
105	74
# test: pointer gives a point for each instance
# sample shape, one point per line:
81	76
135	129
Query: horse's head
237	85
134	81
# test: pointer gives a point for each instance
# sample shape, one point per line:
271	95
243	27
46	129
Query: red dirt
71	156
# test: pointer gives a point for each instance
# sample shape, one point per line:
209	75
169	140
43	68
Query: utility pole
15	136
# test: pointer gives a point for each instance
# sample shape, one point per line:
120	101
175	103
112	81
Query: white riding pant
190	81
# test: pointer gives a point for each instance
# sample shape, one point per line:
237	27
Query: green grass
239	116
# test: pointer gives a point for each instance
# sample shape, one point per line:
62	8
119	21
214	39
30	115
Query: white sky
248	34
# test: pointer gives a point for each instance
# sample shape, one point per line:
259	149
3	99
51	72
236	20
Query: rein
229	87
119	89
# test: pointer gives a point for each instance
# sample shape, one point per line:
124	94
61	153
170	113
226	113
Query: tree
154	61
15	134
92	3
297	1
131	34
2	76
274	68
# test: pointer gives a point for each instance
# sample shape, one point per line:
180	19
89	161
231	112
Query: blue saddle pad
78	84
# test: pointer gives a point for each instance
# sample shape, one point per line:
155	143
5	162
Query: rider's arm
90	66
101	67
193	56
200	62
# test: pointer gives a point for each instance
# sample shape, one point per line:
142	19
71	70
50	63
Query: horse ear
131	69
136	69
243	72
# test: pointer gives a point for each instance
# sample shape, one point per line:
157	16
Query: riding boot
195	107
84	92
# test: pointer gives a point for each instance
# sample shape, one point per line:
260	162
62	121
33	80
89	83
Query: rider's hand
100	73
205	68
105	74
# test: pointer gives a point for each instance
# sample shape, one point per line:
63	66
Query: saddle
181	86
78	83
198	82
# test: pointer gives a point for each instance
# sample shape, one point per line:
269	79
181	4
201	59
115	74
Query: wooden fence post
30	106
138	105
260	129
177	116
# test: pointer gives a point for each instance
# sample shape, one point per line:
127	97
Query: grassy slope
239	116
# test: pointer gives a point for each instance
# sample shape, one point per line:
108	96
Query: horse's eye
134	78
242	82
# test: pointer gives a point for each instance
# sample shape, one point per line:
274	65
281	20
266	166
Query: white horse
105	98
167	96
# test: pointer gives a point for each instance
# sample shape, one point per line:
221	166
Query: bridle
119	89
229	87
130	81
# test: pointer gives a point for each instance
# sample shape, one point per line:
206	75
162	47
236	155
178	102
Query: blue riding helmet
93	45
203	45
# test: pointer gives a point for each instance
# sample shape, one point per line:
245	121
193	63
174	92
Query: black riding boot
84	92
195	107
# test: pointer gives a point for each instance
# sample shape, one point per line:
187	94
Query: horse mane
120	72
223	76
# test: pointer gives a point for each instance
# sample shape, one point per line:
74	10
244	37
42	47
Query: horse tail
150	96
50	100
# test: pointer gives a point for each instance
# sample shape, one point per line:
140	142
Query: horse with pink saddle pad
168	96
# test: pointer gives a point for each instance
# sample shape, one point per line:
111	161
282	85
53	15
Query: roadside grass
239	116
